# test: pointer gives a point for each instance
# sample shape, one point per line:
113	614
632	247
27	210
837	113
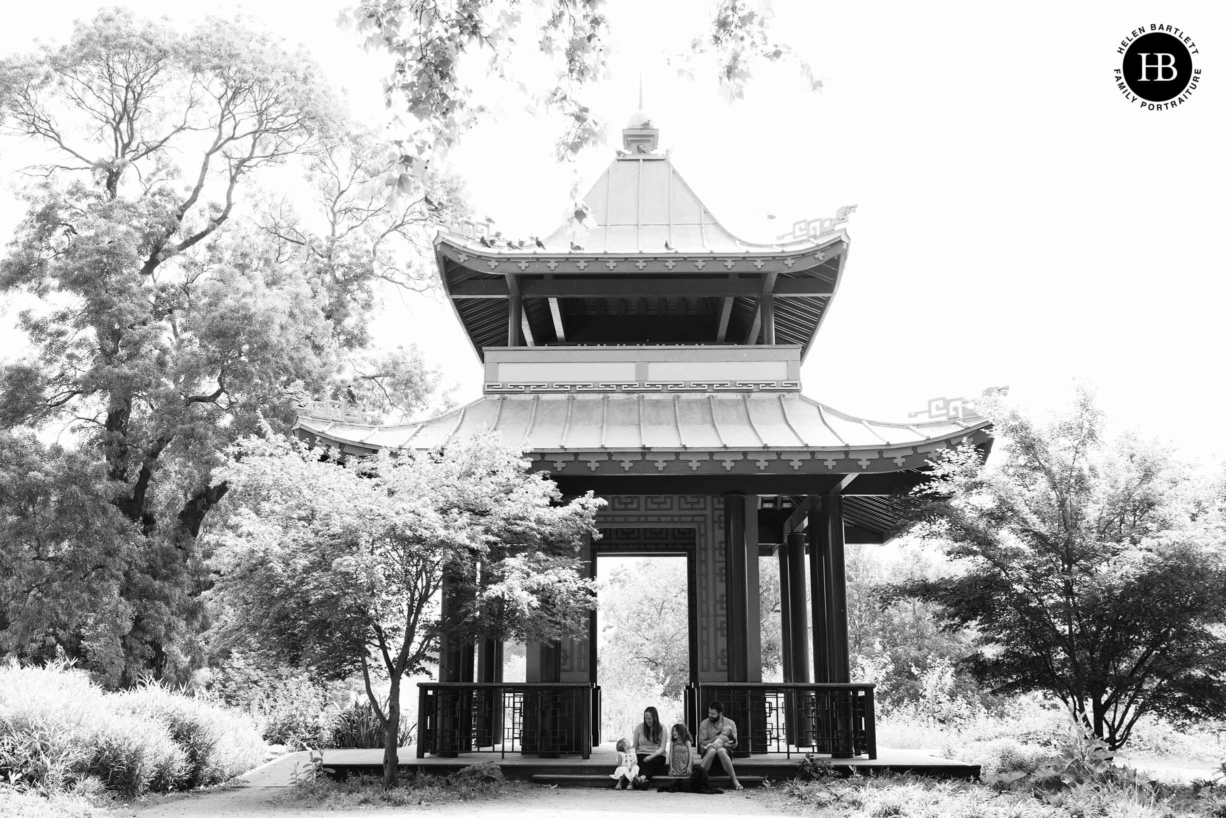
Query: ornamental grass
60	732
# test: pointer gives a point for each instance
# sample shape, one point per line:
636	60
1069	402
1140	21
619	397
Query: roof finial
639	136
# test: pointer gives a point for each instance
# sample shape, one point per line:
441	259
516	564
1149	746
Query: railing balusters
833	719
466	718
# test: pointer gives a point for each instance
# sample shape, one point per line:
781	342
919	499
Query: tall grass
59	732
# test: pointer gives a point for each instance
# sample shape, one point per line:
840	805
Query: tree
328	565
1090	568
645	616
169	326
435	43
900	640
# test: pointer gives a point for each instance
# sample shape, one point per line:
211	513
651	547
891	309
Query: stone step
603	782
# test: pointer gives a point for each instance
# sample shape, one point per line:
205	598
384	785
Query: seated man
717	739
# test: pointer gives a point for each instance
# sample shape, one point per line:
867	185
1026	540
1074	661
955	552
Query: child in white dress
627	765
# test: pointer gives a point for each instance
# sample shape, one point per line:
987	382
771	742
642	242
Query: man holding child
717	739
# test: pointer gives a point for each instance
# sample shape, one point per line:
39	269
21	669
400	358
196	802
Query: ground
264	788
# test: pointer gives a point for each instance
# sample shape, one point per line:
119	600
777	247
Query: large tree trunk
391	736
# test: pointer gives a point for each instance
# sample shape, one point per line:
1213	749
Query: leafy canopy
166	324
332	567
1091	568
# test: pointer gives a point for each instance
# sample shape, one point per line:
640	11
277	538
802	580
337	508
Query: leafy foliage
435	44
167	329
59	731
327	565
1090	569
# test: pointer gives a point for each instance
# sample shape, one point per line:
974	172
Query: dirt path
265	794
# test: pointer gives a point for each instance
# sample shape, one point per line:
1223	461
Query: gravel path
264	794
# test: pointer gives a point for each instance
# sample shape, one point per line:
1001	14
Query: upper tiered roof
647	264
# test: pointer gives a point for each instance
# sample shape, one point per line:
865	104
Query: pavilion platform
594	771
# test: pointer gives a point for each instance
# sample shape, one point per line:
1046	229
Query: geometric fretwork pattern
533	719
834	719
674	517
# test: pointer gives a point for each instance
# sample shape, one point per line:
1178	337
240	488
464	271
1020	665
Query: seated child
681	752
724	740
627	766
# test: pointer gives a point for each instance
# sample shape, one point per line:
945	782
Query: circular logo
1157	67
1157	71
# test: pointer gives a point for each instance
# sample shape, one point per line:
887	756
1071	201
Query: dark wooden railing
546	720
830	719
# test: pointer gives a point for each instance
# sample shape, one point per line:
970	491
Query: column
785	606
488	702
734	589
794	609
818	548
836	600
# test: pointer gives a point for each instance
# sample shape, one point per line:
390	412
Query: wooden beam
768	319
768	287
558	329
799	518
638	287
725	313
515	313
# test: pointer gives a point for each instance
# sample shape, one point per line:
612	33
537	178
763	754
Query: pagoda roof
650	434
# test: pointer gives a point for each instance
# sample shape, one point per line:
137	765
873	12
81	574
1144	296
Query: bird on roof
540	244
519	244
351	395
485	242
667	246
574	248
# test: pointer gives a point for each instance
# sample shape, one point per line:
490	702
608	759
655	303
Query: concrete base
589	772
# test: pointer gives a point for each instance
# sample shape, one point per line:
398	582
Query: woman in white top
650	744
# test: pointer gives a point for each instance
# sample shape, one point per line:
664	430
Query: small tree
1090	569
338	568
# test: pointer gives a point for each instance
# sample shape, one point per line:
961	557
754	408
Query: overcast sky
1019	221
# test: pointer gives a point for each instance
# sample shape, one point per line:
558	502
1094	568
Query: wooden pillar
794	609
785	606
455	658
768	318
490	661
735	590
515	318
831	548
753	593
818	548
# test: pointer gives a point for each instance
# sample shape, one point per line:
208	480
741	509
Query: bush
218	743
16	804
289	707
358	727
59	732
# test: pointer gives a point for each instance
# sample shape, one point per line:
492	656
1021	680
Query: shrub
16	804
59	731
132	756
218	743
358	727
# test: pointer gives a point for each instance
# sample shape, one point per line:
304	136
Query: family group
651	753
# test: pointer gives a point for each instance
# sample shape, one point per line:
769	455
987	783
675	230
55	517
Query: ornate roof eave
752	259
857	446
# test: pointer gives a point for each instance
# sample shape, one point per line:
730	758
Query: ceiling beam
642	288
768	287
799	518
725	313
558	329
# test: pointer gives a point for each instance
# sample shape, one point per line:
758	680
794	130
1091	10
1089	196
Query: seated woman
649	746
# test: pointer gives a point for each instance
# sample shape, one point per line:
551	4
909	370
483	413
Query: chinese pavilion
655	360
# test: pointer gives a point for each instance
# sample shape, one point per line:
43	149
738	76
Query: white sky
1019	222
